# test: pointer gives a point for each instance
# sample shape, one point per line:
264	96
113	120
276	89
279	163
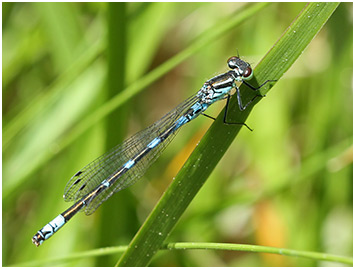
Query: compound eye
232	62
248	72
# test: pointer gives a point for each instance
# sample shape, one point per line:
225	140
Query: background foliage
287	184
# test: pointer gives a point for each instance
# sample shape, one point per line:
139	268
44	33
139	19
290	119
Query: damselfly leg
243	107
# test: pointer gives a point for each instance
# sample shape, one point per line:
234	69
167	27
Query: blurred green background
286	184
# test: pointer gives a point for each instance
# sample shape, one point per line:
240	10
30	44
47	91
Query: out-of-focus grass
287	184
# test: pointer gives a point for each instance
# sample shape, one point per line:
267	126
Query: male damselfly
127	162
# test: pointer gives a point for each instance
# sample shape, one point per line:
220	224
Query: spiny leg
225	115
239	98
241	107
257	88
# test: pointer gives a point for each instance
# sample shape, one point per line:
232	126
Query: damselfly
127	162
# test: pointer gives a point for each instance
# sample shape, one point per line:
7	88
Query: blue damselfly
128	161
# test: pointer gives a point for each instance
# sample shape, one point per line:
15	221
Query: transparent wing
88	178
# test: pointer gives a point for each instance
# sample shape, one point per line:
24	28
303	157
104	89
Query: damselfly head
241	67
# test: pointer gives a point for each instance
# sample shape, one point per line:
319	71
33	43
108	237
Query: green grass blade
263	249
196	245
116	81
210	150
75	256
